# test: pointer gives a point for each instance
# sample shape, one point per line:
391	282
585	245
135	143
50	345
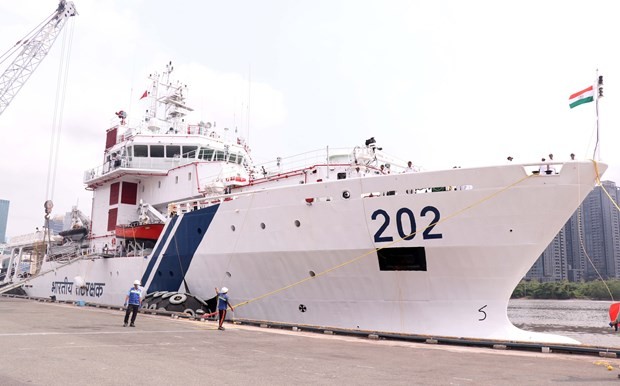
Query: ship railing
135	163
359	155
299	161
544	168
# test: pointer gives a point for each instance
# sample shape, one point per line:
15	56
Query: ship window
114	192
176	179
189	151
239	159
129	195
110	139
402	259
140	150
112	214
206	154
129	151
189	176
219	156
157	151
173	151
233	158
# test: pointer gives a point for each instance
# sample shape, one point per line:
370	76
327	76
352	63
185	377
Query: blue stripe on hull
157	251
183	245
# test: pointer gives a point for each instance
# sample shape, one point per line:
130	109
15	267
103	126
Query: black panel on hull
402	259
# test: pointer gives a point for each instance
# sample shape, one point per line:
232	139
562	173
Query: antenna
249	97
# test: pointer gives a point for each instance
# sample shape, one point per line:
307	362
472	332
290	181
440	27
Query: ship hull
393	254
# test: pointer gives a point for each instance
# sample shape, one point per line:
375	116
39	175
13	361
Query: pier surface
63	344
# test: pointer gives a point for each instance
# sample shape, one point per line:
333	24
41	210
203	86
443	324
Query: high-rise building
4	218
588	246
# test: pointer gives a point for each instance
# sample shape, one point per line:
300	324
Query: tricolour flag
581	97
144	95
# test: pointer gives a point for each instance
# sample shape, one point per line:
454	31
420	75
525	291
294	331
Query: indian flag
581	97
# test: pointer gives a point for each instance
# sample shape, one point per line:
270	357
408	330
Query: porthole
232	227
312	274
297	223
346	194
228	274
199	230
262	225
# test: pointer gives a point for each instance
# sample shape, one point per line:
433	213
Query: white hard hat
137	282
224	290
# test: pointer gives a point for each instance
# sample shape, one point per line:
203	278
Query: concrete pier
63	344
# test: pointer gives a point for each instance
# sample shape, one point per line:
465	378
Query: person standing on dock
133	301
222	305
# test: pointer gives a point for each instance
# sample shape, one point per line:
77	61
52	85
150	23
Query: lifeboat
235	181
75	234
139	231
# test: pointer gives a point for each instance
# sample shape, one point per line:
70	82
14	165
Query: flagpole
599	94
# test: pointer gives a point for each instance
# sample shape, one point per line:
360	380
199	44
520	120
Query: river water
584	320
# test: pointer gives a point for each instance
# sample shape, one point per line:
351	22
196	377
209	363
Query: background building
588	246
4	217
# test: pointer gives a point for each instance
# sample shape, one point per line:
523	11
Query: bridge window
239	159
205	154
157	151
140	150
232	158
189	151
173	151
220	156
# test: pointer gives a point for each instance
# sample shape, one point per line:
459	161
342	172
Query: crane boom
33	51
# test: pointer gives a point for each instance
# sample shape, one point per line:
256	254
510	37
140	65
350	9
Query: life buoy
189	311
158	294
166	295
177	298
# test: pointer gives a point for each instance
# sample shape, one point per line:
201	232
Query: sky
441	83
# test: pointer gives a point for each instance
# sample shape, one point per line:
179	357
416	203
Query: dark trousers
222	316
132	308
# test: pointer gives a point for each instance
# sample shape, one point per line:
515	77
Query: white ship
338	238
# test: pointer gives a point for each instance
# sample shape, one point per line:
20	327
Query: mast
599	94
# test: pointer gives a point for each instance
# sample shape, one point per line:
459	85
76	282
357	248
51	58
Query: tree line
598	290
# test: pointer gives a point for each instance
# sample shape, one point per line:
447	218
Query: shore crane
34	48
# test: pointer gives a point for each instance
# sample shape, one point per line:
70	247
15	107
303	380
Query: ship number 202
405	224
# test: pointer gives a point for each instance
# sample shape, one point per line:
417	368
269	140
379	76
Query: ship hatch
402	259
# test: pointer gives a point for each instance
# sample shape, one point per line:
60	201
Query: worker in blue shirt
133	301
222	305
